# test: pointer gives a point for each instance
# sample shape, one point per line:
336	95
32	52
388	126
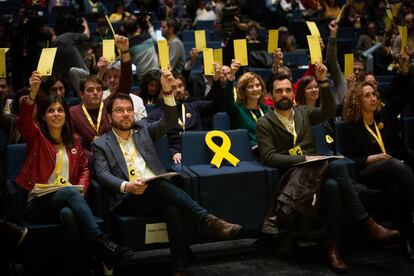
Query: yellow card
3	73
208	61
389	13
313	28
200	40
218	56
5	49
108	50
45	65
349	65
388	23
403	34
240	51
164	54
395	8
338	18
156	233
314	48
296	151
273	41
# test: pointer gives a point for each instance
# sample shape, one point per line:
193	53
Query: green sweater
275	141
240	116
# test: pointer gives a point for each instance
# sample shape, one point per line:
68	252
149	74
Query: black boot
111	253
11	234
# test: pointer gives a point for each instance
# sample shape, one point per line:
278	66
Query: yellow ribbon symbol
221	152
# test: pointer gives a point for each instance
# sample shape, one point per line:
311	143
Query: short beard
121	126
284	104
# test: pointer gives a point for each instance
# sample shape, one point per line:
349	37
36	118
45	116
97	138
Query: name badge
296	151
132	174
60	180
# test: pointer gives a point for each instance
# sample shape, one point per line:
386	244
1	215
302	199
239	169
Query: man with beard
124	158
285	138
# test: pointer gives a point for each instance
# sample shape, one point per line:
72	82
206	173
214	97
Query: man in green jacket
285	138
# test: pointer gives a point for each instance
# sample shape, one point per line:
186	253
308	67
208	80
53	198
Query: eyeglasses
120	110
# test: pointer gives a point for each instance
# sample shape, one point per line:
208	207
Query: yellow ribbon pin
221	152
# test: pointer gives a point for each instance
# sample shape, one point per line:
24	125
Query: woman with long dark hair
55	172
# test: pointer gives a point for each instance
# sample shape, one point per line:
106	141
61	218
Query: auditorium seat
239	194
221	121
46	242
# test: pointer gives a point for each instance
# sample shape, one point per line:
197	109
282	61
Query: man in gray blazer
124	158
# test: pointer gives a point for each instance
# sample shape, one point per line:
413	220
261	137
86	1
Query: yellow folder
313	28
349	65
164	54
208	61
45	65
273	41
240	51
403	34
3	72
200	40
314	48
218	56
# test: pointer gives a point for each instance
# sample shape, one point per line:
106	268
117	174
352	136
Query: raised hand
351	81
235	66
404	61
34	81
321	71
122	43
167	81
333	28
278	56
218	72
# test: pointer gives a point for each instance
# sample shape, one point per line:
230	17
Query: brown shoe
375	231
335	261
219	228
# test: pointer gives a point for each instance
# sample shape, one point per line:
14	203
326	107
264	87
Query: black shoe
12	233
111	253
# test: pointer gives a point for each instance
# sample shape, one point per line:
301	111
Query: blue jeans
48	207
180	210
342	205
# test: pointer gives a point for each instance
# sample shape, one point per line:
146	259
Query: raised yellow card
164	54
403	34
273	41
349	65
156	233
3	73
5	49
108	50
388	23
218	56
389	13
338	18
208	61
200	40
240	51
45	65
395	9
314	48
313	28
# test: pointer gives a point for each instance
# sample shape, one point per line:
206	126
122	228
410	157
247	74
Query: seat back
319	133
195	150
408	131
15	155
339	129
163	152
221	121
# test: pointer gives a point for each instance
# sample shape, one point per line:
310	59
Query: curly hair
352	110
242	84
